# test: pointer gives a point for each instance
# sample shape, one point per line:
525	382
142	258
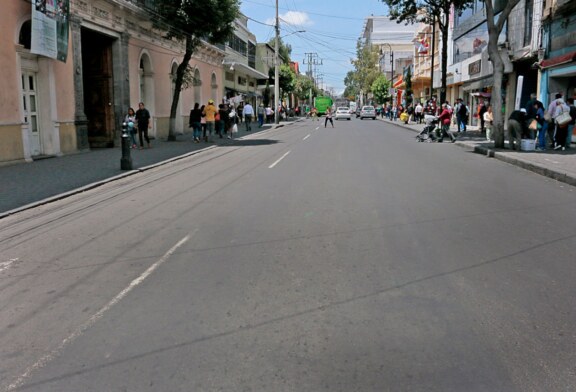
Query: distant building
394	41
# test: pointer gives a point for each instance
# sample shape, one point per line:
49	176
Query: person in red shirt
444	119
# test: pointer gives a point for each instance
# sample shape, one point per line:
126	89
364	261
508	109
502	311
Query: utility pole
277	100
312	61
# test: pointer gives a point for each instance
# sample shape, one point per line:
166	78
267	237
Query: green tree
304	85
408	82
287	80
429	12
192	22
352	85
365	68
266	95
498	58
380	88
284	50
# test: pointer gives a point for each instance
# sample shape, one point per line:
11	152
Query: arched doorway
179	125
146	84
40	131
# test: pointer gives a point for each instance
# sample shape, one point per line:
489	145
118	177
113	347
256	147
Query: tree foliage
287	80
380	88
429	12
284	50
303	87
192	21
365	71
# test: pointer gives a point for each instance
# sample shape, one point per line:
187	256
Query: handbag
234	128
563	118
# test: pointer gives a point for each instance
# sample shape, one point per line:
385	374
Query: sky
332	28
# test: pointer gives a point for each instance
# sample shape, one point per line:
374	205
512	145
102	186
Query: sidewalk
559	165
27	185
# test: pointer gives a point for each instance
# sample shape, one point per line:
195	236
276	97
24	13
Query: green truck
322	103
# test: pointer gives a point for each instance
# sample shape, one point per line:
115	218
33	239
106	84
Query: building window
25	36
528	15
473	42
239	45
251	55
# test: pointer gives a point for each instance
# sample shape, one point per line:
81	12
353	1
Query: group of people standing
138	122
208	121
552	127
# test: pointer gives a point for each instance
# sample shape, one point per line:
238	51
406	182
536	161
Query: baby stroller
428	134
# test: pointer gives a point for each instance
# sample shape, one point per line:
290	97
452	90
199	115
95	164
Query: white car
342	113
368	112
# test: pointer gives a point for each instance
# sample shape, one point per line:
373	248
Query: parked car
368	112
342	113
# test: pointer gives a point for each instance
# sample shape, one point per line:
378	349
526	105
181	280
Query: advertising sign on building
50	28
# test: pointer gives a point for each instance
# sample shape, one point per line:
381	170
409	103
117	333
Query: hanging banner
50	28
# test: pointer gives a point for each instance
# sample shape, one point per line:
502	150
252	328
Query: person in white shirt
248	112
418	113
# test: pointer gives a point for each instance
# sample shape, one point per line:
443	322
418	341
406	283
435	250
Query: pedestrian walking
130	121
562	109
223	120
328	117
203	121
248	113
571	124
269	115
488	121
143	119
444	119
462	114
551	113
314	114
481	110
210	113
261	113
418	113
233	123
543	126
195	122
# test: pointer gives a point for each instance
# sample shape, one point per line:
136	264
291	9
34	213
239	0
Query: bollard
126	160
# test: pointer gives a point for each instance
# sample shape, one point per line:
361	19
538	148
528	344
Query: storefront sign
50	28
475	67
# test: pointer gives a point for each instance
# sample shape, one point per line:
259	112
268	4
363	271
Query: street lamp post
277	66
276	69
392	67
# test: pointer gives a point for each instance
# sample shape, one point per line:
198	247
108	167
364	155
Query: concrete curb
502	156
97	184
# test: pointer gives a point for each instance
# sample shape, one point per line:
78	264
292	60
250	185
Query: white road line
307	136
278	161
4	265
317	128
92	320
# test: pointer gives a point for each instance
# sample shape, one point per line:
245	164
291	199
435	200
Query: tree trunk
180	72
497	107
444	29
494	30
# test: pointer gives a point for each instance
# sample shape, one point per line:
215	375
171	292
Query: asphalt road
300	259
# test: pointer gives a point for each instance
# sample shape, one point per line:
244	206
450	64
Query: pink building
115	60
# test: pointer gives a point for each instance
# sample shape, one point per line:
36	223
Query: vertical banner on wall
50	28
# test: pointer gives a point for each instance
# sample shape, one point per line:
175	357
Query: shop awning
244	69
558	60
